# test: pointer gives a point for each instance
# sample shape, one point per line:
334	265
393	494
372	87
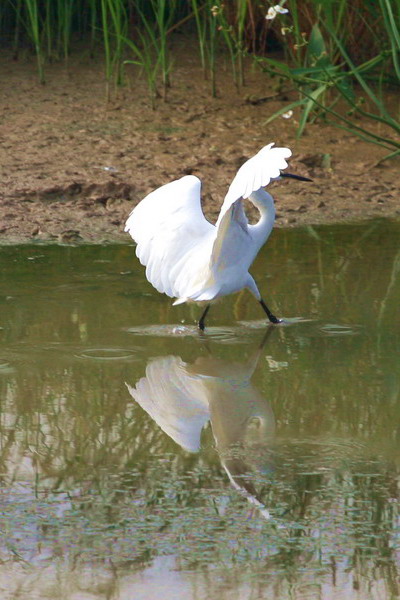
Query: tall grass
201	25
163	11
156	22
115	26
233	27
33	31
17	28
212	14
145	57
148	43
64	9
91	23
336	53
214	21
332	81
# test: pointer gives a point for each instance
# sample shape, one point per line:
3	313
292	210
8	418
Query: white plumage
171	396
190	259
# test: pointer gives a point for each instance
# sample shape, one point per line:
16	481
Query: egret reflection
183	397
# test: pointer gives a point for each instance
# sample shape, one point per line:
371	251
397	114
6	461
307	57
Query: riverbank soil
73	165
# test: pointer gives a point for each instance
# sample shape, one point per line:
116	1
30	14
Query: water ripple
108	354
336	329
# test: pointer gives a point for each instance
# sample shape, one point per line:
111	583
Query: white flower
287	114
274	10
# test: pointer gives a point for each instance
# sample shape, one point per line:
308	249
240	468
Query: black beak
298	177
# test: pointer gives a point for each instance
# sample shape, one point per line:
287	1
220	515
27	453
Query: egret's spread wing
255	173
232	240
174	400
233	244
167	226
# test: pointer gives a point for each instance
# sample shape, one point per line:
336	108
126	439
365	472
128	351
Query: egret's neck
265	204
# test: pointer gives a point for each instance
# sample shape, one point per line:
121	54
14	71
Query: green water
141	460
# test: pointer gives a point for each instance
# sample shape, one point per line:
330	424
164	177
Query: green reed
240	34
391	18
48	28
164	14
33	31
17	28
147	59
212	23
321	67
150	46
115	25
208	24
212	45
207	18
93	11
201	26
228	36
234	36
64	21
335	52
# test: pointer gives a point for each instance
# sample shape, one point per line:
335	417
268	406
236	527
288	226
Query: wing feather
174	399
255	173
168	227
233	241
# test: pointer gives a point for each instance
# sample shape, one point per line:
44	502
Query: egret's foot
201	323
272	318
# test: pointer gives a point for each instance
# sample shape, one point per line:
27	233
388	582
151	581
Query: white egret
189	258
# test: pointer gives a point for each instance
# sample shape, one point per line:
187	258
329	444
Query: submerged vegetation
336	60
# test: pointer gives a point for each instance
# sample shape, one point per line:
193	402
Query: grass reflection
96	496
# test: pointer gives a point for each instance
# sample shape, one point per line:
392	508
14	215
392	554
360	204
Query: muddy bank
73	166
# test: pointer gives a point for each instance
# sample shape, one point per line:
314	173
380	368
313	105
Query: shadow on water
251	462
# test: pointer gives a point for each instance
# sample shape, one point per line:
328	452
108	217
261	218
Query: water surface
139	458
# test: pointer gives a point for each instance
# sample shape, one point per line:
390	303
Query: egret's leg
270	316
203	317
